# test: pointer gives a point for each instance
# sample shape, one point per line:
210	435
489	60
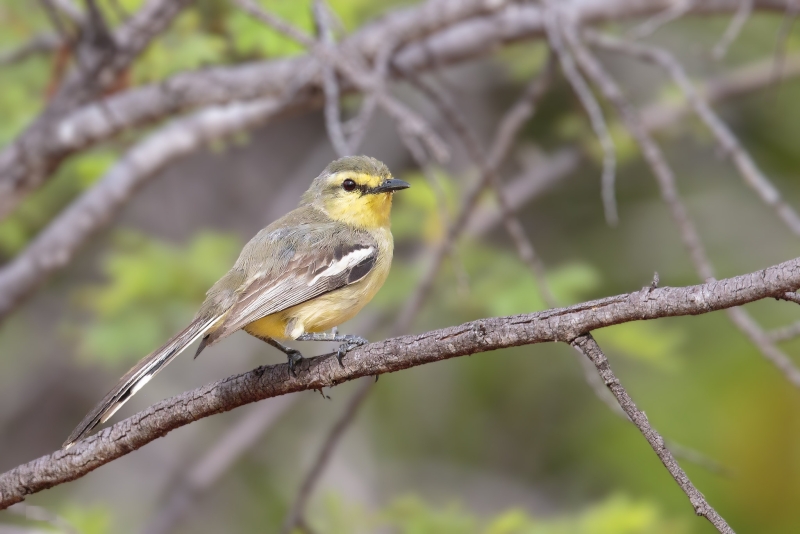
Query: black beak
390	186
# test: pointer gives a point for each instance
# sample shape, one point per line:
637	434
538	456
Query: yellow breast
331	309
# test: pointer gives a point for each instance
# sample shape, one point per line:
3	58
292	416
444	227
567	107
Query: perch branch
395	354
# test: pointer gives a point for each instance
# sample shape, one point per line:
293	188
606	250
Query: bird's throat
368	212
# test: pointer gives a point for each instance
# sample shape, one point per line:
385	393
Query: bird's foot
295	357
350	343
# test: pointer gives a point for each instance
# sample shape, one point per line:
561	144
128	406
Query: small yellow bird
304	274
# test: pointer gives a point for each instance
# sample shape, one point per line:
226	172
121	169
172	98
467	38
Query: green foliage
412	515
419	213
151	290
92	520
516	291
38	209
655	343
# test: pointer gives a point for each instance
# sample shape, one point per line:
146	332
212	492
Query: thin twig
364	81
357	127
666	179
678	9
472	144
586	345
722	133
205	474
553	26
297	511
650	150
40	44
522	110
782	39
784	333
733	30
765	344
524	246
330	85
743	80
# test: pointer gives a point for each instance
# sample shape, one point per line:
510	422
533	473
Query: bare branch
429	35
509	126
205	474
57	244
295	516
24	166
587	346
362	80
678	9
472	144
743	80
784	333
669	192
333	119
733	30
554	35
650	151
725	137
41	44
564	324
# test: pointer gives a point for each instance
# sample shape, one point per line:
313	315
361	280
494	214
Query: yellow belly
326	311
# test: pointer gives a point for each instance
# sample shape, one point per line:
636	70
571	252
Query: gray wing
309	274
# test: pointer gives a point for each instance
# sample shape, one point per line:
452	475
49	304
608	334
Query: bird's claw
350	343
295	357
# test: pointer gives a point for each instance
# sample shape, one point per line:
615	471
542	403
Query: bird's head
357	190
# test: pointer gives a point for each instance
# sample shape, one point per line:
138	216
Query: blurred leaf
516	291
152	290
37	210
417	213
413	515
92	520
523	60
653	342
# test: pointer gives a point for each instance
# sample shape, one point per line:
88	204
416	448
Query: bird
303	275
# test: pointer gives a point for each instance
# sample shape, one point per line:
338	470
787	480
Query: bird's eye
348	185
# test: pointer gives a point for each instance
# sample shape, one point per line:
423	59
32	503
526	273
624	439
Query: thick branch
55	246
28	161
430	35
564	324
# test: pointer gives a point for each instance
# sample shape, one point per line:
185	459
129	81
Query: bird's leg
349	342
294	356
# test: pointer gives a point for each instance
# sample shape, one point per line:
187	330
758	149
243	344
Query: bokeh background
504	442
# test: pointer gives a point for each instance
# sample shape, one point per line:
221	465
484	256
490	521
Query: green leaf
151	290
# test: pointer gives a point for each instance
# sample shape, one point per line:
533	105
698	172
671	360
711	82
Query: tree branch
28	161
564	324
587	346
436	33
55	246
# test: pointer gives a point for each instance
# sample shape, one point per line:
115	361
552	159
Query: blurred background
513	441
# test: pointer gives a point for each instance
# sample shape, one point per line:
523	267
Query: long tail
137	377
